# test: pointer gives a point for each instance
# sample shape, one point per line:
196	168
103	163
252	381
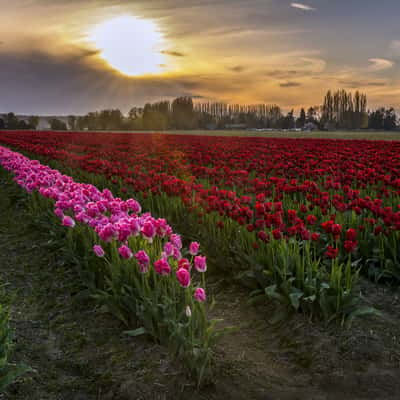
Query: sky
52	61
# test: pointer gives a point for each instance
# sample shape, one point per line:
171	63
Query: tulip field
295	221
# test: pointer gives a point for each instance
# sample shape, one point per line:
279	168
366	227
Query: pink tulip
200	263
162	228
176	240
148	231
184	263
59	213
143	260
134	206
162	267
169	249
200	295
194	248
183	277
68	222
125	252
124	231
107	233
177	254
98	250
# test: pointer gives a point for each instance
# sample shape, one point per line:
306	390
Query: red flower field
309	214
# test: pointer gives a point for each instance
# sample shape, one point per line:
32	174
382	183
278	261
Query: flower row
113	219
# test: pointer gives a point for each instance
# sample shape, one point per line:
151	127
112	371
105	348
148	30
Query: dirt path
302	360
78	352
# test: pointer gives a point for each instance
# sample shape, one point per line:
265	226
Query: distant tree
376	119
11	121
302	119
253	116
103	120
390	119
92	121
342	109
116	119
111	119
72	122
288	122
311	115
328	108
156	116
33	121
57	125
23	125
148	116
134	121
183	115
154	119
2	125
205	120
135	113
81	123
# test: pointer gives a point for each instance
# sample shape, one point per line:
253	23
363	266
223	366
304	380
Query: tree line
11	121
340	110
344	110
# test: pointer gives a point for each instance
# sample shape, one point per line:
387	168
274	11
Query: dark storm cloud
39	83
289	84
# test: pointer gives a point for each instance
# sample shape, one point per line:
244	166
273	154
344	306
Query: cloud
193	96
237	68
281	74
302	6
354	84
260	52
380	64
289	84
83	53
395	46
39	83
173	53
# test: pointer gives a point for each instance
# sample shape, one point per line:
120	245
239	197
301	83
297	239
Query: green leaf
325	285
136	332
294	299
356	263
311	298
13	373
271	292
366	310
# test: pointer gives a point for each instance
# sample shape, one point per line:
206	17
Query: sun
130	45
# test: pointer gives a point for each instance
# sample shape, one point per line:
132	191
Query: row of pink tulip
111	218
